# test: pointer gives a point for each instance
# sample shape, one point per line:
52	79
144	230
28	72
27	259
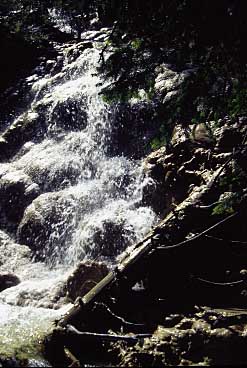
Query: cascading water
85	203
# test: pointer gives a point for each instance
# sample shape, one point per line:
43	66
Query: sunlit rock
23	129
169	82
202	134
180	136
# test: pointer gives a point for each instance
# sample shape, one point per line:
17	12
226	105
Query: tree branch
71	330
196	237
233	283
226	240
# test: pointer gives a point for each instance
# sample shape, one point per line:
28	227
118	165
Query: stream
64	196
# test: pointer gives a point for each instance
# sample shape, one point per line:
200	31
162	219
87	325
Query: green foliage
136	43
26	20
238	102
232	185
224	208
162	139
157	143
234	180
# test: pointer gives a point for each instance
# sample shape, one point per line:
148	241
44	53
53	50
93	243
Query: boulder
155	192
169	82
202	134
26	127
17	191
180	136
154	157
13	256
75	50
84	278
8	280
228	138
108	239
46	224
67	115
41	163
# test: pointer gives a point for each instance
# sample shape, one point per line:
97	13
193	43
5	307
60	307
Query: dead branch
71	330
226	240
118	317
197	236
233	283
106	45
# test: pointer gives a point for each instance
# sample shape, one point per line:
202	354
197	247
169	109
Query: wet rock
46	224
172	320
13	256
155	195
17	191
69	116
84	278
23	129
41	163
173	172
109	240
185	324
158	166
11	362
49	295
129	119
75	50
8	280
155	156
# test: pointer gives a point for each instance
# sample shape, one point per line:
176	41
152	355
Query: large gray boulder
17	191
47	224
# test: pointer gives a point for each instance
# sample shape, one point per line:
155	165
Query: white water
97	197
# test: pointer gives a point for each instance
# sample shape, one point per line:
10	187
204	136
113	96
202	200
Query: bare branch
233	283
226	240
104	337
193	238
118	317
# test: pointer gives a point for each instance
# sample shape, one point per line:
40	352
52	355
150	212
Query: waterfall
80	201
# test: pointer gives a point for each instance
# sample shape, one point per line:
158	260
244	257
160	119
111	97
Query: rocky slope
201	178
